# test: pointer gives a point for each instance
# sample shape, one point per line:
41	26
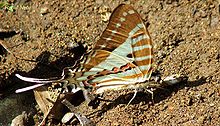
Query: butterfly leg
135	93
86	96
151	91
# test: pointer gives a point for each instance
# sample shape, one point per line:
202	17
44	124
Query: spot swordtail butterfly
122	58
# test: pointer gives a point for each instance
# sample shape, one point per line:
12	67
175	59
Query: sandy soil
186	38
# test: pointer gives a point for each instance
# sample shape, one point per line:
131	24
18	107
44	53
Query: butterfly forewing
125	44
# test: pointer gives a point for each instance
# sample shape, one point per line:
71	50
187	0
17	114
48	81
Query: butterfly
121	59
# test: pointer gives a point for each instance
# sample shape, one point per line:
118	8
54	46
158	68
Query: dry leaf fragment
47	99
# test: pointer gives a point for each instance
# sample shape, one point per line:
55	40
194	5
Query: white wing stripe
96	69
141	37
122	19
138	48
114	31
125	13
143	58
90	73
114	59
138	27
117	76
131	12
118	25
144	67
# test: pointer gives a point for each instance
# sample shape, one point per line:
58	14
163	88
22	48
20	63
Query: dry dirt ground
186	39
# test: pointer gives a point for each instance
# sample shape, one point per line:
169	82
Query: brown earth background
186	39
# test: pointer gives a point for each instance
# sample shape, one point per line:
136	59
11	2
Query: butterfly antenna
28	88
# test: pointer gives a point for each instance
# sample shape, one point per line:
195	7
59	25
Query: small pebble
44	10
67	117
20	120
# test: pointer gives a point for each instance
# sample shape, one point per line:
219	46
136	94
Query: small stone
203	14
105	13
20	120
161	54
67	117
201	119
212	105
137	121
44	10
72	45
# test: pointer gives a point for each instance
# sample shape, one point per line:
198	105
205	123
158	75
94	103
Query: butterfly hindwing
124	45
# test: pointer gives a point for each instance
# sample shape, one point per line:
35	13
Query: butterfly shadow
145	97
44	68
